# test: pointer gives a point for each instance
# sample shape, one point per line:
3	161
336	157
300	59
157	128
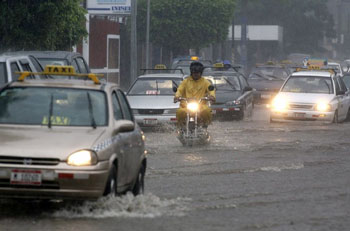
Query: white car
312	95
151	98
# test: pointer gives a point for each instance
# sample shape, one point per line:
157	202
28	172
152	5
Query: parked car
312	95
73	139
62	58
151	98
11	64
267	79
234	96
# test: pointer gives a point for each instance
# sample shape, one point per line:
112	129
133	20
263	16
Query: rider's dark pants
204	116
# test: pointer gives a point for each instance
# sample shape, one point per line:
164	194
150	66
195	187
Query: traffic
174	115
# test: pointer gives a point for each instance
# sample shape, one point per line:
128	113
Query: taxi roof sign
195	58
160	66
218	65
60	71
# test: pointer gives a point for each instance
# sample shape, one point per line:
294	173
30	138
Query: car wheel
111	186
335	118
139	186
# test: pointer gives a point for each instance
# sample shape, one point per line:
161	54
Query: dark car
267	80
346	79
234	96
61	58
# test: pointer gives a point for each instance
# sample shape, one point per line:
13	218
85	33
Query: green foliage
182	24
304	22
41	24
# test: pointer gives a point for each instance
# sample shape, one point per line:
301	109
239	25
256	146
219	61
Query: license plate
150	121
299	115
265	96
26	177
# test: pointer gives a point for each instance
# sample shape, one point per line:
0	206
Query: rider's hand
176	99
211	98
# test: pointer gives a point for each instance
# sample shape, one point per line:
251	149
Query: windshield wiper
93	122
50	111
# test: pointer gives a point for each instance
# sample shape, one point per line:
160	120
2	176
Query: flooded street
253	176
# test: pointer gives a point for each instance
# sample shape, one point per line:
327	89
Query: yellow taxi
68	138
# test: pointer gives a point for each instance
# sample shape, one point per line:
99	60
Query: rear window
64	106
50	61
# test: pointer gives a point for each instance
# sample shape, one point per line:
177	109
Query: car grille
301	106
28	161
151	111
5	183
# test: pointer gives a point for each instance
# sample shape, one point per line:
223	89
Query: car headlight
279	104
233	103
82	158
322	106
193	106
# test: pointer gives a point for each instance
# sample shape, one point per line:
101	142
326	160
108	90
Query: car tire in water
139	185
335	118
111	186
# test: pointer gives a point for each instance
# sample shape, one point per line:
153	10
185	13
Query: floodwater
253	176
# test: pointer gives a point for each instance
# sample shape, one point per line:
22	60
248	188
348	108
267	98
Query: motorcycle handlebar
186	99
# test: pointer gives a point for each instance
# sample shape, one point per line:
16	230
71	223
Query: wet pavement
253	176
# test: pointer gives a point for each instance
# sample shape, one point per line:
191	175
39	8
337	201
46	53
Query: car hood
305	97
266	85
152	101
57	142
225	96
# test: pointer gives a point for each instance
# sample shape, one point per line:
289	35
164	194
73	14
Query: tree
304	22
41	24
179	25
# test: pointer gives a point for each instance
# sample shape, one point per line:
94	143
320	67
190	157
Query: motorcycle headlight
322	106
82	158
193	107
279	104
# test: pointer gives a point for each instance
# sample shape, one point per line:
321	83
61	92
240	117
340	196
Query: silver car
68	139
151	98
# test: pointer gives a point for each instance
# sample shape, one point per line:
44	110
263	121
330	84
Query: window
125	106
342	85
309	84
14	68
64	106
117	111
82	65
3	73
76	67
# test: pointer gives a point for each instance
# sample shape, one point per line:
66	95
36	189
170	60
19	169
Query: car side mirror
124	126
174	89
211	88
247	88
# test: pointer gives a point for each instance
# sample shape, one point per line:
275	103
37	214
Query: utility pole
133	42
147	33
233	42
244	59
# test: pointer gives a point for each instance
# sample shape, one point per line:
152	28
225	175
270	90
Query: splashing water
144	206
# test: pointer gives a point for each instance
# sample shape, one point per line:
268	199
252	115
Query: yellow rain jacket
190	88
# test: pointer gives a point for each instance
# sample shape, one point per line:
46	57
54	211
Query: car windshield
269	73
308	84
65	106
3	76
185	70
225	83
51	61
152	86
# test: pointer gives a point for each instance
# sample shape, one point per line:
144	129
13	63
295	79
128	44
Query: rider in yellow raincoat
194	87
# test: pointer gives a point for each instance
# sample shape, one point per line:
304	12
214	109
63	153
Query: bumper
55	183
226	112
301	115
155	120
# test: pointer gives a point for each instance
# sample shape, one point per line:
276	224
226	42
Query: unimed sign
109	6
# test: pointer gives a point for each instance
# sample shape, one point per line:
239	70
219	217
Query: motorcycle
194	132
